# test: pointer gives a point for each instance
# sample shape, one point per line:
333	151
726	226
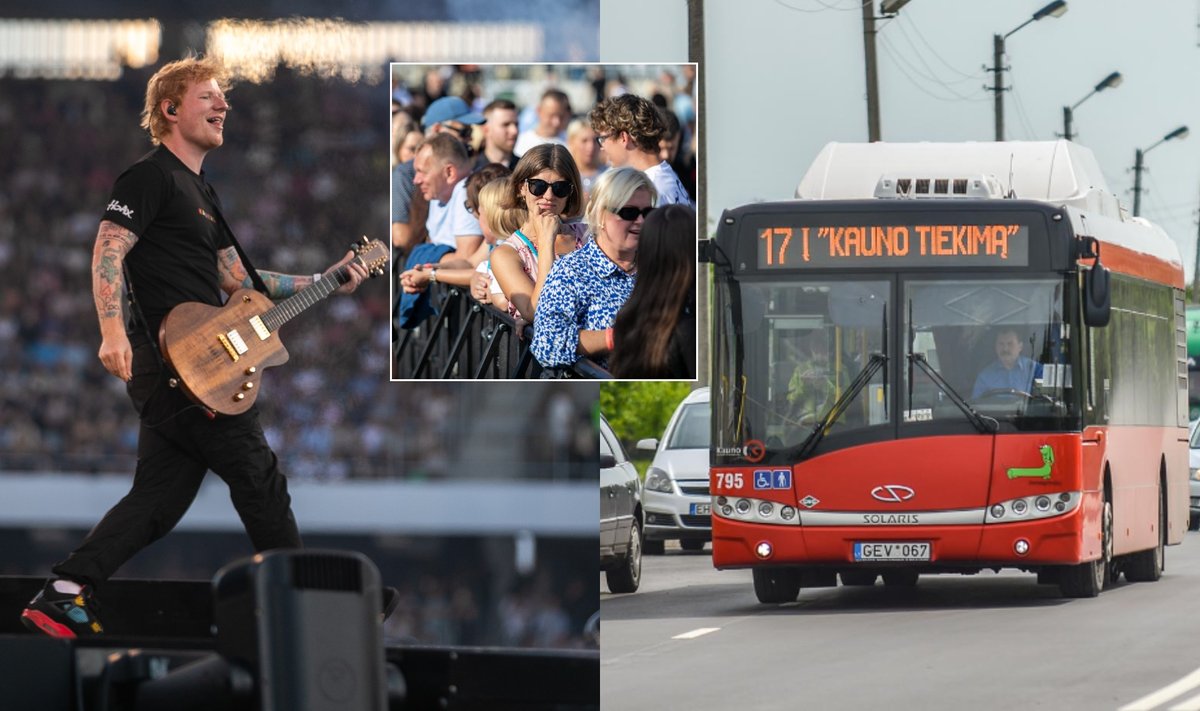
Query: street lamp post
1054	9
1110	82
1180	132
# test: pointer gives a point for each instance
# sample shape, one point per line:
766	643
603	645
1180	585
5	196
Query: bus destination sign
895	245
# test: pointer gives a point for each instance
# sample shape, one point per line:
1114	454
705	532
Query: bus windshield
805	342
999	344
907	355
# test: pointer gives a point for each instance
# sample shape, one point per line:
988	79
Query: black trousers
177	444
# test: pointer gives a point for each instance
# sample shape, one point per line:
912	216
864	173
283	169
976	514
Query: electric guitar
218	353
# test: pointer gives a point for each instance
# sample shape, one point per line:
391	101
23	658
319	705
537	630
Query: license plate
702	509
891	550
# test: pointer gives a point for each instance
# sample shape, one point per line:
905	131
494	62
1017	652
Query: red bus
946	358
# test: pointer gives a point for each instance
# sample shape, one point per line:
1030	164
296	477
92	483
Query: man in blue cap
449	114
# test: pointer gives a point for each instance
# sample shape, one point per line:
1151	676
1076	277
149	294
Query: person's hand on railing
519	327
416	280
481	288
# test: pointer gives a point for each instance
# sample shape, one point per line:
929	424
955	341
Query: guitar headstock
372	254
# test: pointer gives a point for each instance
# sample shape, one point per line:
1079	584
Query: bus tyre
1088	579
627	577
691	544
776	585
900	578
1147	566
655	547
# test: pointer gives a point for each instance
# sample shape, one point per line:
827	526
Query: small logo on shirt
206	216
125	210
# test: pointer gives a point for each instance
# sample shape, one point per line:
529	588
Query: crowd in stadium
558	213
292	190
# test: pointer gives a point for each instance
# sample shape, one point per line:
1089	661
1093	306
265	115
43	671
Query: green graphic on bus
1042	472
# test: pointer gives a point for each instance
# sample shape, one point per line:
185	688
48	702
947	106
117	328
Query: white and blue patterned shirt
584	291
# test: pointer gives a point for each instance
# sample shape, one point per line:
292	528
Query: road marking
696	633
1192	704
1168	692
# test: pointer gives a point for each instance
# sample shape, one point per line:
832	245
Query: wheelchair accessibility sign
772	479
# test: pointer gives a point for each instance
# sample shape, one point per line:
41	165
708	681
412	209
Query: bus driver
1011	370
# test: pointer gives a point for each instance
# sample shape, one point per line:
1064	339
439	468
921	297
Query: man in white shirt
628	129
441	169
553	111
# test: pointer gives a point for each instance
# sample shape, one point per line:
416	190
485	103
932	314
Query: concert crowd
477	212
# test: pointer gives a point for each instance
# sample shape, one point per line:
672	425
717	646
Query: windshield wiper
983	423
877	361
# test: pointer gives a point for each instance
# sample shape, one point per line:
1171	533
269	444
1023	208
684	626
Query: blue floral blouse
584	290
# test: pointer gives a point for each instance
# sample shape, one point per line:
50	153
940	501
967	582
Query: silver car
675	493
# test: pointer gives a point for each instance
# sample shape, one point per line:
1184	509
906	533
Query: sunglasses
560	188
629	213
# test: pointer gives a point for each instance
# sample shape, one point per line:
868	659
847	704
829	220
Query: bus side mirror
704	251
1097	298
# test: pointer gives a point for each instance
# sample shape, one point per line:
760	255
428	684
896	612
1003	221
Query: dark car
621	517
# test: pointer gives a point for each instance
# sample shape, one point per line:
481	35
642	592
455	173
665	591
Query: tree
640	409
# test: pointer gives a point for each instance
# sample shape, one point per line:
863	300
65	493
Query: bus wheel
900	578
858	577
1088	579
1147	566
775	585
654	547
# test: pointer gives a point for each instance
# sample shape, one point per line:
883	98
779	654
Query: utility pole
998	83
868	14
1137	182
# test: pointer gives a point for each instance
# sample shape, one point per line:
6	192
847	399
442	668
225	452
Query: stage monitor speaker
306	624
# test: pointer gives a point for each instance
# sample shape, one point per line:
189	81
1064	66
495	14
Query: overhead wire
825	7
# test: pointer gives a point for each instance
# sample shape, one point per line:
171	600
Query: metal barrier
469	340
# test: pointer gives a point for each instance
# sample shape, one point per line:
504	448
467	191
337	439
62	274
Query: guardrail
469	340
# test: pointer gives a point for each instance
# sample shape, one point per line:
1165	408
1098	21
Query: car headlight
657	480
1194	474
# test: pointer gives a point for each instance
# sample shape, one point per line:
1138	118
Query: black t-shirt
174	214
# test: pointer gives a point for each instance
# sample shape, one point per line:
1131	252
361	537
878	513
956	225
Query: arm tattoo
281	286
231	272
113	242
234	276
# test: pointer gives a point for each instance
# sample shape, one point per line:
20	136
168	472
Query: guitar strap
139	320
254	277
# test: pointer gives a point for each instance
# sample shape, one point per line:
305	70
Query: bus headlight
758	511
1029	508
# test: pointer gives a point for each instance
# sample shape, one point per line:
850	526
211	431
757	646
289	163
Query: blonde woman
585	290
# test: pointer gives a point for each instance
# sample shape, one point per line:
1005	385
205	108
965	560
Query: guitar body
217	353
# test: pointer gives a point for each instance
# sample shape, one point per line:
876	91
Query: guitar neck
299	302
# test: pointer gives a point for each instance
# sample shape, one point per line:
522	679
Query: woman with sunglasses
544	189
584	290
